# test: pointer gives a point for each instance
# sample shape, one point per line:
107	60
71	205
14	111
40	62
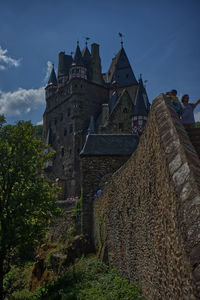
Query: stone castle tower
81	100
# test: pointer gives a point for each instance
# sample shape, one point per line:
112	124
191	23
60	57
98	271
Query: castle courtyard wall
146	223
94	168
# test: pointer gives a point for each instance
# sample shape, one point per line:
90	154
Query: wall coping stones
183	166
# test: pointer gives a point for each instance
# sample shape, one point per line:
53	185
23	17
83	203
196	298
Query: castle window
140	122
68	112
77	70
125	110
75	86
65	131
71	128
121	126
62	151
78	150
70	152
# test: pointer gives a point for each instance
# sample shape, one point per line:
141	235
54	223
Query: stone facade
66	116
79	93
146	221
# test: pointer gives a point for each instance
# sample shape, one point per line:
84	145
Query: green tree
27	200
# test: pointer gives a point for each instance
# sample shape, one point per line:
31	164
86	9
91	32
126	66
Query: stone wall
94	169
147	220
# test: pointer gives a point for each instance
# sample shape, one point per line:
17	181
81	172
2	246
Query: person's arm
196	103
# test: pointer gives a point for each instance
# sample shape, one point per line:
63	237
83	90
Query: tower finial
121	36
77	42
86	40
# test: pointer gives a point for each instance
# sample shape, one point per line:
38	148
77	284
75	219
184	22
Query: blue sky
161	39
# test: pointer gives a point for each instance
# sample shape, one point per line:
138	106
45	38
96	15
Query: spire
120	70
78	56
91	125
86	41
142	105
121	36
86	55
52	78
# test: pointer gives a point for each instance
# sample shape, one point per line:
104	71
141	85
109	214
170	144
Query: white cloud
7	61
2	67
48	71
21	101
40	122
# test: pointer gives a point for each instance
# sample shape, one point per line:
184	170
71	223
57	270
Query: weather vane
86	40
121	36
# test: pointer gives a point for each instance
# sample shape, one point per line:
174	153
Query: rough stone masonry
147	220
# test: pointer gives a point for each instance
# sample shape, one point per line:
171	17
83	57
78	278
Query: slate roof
52	78
78	59
110	144
120	70
142	105
112	101
86	55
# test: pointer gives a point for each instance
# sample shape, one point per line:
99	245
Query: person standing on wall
173	96
188	111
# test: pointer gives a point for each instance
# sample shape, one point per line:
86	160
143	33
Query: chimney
96	64
105	114
61	63
95	50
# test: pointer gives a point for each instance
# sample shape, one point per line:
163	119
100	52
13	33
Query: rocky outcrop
52	260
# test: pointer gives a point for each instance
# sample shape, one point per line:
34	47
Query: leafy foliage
27	200
88	279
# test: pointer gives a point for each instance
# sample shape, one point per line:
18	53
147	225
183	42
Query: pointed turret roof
52	78
142	105
78	56
120	70
112	101
86	54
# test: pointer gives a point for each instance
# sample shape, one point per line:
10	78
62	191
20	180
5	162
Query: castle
89	112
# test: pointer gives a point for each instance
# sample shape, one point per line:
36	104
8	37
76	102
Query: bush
88	279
